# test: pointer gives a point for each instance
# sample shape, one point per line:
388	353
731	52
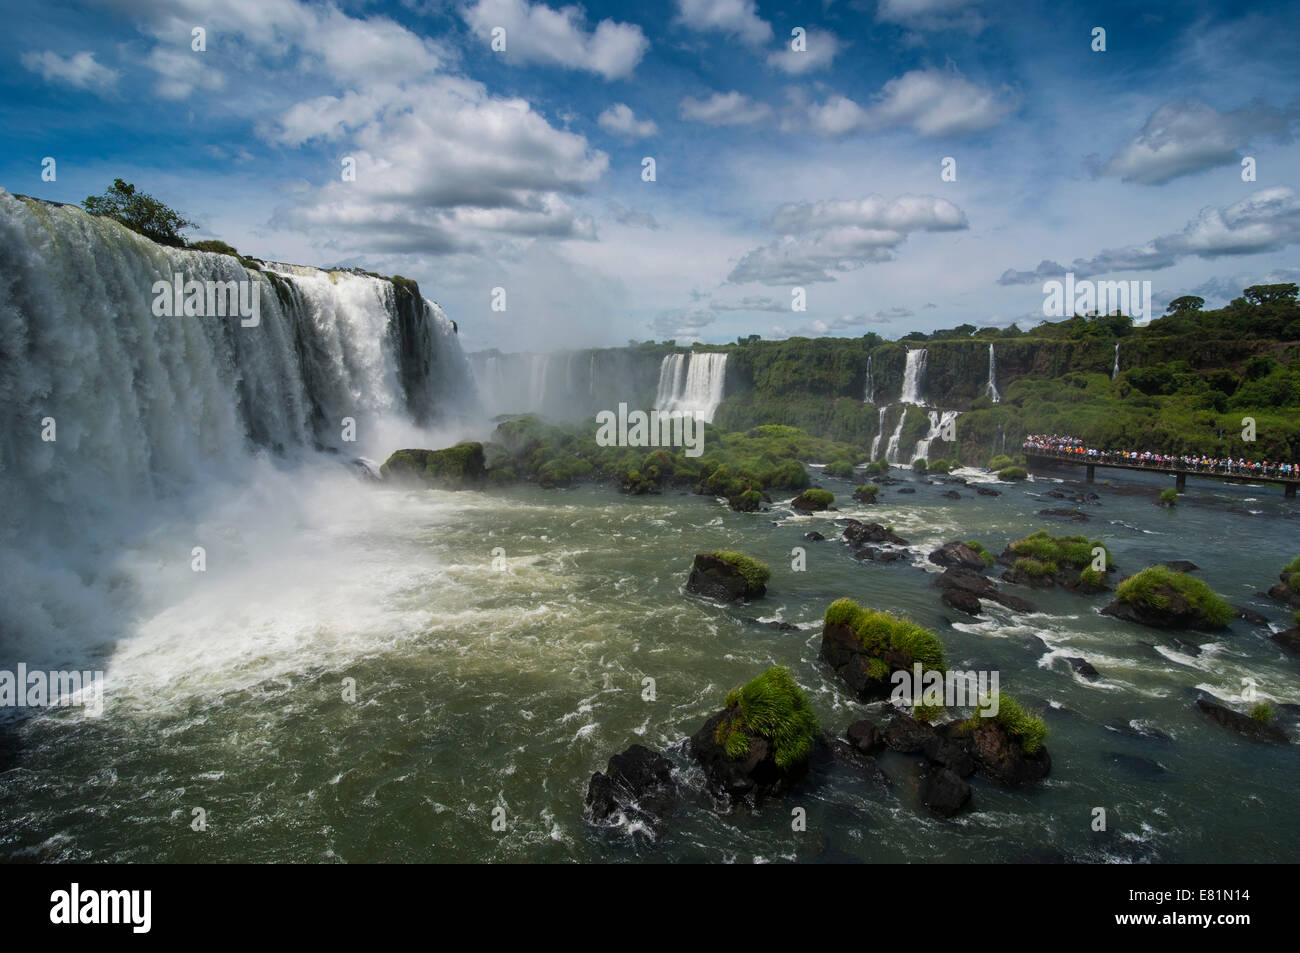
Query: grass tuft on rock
774	707
1142	589
755	572
879	632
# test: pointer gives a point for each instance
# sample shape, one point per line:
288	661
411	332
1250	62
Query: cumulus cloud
1267	221
619	120
80	70
931	102
681	323
1187	135
535	33
819	238
821	47
725	109
752	303
734	18
632	218
931	14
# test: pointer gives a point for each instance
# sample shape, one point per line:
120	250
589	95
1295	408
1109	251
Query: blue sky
775	169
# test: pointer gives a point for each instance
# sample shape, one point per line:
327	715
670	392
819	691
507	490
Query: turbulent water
365	673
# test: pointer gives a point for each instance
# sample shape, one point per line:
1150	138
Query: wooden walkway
1179	473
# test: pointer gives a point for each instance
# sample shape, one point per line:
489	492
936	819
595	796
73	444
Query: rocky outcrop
979	585
1242	724
455	468
1286	591
1170	610
860	534
1083	667
1289	639
636	787
842	650
958	554
942	790
716	578
1068	516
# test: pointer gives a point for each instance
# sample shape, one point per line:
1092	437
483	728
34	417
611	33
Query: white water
880	431
699	391
891	450
914	377
176	432
1115	371
992	387
869	393
940	423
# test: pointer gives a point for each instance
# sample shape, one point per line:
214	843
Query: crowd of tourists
1056	443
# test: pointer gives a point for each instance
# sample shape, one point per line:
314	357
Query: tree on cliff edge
140	212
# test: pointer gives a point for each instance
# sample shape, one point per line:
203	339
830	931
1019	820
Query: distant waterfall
891	449
914	377
940	423
1115	371
869	392
699	390
880	432
992	387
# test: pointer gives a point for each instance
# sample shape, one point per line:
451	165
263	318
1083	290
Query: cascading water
992	387
914	377
701	389
1115	370
880	431
146	409
869	392
941	424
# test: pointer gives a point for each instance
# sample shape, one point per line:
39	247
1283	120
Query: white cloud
535	33
735	18
932	102
821	46
931	14
1187	135
725	109
180	73
79	70
841	235
619	120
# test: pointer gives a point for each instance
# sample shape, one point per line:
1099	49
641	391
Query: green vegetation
1292	566
755	573
455	467
1012	473
772	706
1000	462
1144	588
928	713
842	467
221	248
939	466
880	631
878	468
918	465
866	492
1091	577
1028	729
815	499
1168	497
1068	552
1263	713
140	212
1035	568
984	554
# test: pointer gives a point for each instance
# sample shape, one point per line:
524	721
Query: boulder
951	494
1289	639
987	491
814	536
957	553
979	585
1176	612
455	468
962	600
748	778
942	790
860	533
907	735
865	737
1242	724
908	489
638	785
1181	565
998	756
842	650
1083	667
716	578
1250	615
1065	515
1285	591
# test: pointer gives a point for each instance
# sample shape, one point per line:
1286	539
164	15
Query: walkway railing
1177	468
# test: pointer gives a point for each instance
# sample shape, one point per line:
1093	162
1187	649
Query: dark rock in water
953	753
805	503
1169	609
1144	767
943	791
980	585
781	626
755	775
906	734
862	762
1020	578
1181	565
1242	724
957	553
1283	592
716	578
1250	615
1187	648
1036	644
864	736
1289	639
455	468
1069	516
1056	494
987	491
842	650
1137	729
962	600
1083	667
815	536
952	495
1000	758
637	784
860	533
908	489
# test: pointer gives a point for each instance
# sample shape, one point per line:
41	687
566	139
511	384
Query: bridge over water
1180	474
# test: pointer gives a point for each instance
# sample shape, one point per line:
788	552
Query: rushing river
478	688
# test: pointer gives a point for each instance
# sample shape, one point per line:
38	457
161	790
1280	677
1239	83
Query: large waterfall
564	385
113	409
1115	370
698	390
914	377
991	388
869	392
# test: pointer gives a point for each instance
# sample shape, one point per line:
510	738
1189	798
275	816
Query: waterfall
939	423
699	391
880	431
992	387
1115	371
869	393
914	377
891	450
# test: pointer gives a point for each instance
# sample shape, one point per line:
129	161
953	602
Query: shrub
840	468
984	554
1035	568
819	499
1000	462
771	706
918	465
879	468
1169	497
1092	577
1262	713
1012	473
1072	552
1029	729
1292	566
939	466
880	631
1142	589
755	573
927	713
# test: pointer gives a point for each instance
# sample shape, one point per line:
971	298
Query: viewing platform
1180	473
